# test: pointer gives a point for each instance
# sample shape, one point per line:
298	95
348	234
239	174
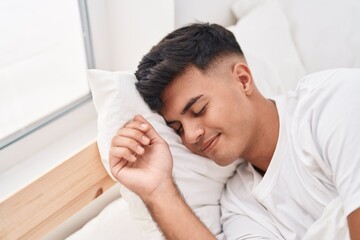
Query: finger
134	124
131	144
147	128
130	124
122	153
134	134
116	165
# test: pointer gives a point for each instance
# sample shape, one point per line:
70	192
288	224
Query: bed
301	37
68	187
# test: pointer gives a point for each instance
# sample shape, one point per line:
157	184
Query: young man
307	143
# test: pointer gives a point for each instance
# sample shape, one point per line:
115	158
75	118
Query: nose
192	132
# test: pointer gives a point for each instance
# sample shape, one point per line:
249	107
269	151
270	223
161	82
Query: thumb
150	132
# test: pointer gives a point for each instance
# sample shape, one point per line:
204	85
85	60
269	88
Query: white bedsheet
114	222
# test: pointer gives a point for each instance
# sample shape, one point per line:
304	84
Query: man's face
212	112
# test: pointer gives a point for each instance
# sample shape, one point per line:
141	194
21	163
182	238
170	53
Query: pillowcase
242	7
325	32
199	179
265	38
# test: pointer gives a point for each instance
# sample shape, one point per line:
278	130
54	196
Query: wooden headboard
48	201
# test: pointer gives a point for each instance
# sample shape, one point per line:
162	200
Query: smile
209	144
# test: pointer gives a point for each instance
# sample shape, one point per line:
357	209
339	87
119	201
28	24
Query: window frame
57	115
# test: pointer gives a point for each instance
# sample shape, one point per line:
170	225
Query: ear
242	73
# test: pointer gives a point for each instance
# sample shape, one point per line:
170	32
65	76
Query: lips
209	143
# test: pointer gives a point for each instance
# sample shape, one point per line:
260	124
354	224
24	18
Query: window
42	63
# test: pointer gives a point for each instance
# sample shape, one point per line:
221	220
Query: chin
224	162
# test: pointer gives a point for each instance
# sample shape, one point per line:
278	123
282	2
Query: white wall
123	31
99	28
215	11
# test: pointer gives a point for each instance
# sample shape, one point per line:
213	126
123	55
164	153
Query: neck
267	134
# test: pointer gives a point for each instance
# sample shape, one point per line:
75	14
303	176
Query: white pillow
242	7
326	32
200	180
265	38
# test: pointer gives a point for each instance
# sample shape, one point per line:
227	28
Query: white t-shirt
317	159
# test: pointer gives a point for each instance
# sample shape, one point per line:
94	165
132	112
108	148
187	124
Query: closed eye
201	112
179	130
177	126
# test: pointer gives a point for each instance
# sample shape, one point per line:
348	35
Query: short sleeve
338	133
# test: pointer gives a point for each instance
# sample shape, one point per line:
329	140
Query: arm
147	171
174	217
354	224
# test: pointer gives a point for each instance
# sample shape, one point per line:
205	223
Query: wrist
165	192
173	216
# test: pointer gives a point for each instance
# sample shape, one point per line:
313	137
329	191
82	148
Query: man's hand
140	159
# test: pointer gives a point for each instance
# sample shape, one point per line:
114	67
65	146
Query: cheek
192	148
221	116
189	146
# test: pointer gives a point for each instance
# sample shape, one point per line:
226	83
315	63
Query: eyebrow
191	102
188	105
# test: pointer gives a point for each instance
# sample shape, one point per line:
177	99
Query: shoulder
325	113
324	109
319	95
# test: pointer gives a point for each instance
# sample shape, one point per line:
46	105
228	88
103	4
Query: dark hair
196	45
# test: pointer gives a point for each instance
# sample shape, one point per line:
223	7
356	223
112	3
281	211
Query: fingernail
143	125
140	149
145	140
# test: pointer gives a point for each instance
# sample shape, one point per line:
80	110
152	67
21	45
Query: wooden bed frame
48	201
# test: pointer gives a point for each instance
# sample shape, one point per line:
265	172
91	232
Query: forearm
354	224
174	217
